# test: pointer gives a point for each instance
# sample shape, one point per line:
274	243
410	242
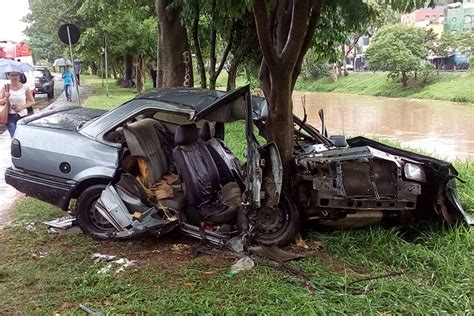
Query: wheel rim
99	222
270	222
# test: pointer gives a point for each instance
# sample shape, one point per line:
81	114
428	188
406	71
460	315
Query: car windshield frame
97	127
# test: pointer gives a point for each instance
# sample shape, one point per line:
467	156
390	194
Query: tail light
16	148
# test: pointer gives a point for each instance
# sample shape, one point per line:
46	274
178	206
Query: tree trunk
128	71
404	79
344	66
94	68
197	47
114	72
238	57
280	123
174	58
140	73
284	36
153	73
232	75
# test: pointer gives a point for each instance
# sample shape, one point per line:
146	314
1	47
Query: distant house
427	18
459	17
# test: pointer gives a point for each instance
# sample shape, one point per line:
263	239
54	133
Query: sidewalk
8	195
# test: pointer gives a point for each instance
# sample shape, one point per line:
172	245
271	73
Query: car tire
88	218
51	94
281	234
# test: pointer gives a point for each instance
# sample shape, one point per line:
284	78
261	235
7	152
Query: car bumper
49	189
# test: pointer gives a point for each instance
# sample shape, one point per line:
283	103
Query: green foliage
130	27
44	20
313	67
399	50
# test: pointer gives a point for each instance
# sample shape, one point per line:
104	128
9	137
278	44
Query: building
459	17
427	18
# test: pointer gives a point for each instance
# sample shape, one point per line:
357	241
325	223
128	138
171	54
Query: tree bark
140	73
174	57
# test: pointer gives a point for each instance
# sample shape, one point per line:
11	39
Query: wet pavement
8	195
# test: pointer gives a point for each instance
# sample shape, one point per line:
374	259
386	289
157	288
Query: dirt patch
340	266
172	250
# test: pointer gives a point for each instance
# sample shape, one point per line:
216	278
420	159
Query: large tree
285	29
174	60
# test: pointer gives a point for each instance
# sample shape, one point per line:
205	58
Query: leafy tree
43	22
129	27
398	49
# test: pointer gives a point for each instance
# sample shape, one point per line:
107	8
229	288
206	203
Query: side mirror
338	140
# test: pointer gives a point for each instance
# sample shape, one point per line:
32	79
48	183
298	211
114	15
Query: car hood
66	118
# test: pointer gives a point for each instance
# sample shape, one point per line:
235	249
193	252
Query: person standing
20	98
68	78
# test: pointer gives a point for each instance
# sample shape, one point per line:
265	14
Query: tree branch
294	41
224	56
313	21
261	22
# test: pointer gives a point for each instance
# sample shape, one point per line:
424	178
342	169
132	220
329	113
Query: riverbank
456	87
43	273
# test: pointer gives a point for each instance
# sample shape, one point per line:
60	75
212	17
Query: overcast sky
11	12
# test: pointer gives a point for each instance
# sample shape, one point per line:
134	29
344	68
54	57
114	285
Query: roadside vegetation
455	87
427	268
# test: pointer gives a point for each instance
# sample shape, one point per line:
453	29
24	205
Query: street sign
73	33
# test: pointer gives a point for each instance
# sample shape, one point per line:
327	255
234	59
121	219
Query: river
444	129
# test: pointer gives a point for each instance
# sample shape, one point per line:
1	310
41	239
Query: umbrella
62	62
8	65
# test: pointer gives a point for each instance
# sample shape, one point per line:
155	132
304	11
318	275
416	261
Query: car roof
194	98
40	67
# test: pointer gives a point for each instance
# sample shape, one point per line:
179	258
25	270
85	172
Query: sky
11	12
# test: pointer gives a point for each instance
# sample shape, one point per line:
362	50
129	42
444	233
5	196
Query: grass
455	87
435	267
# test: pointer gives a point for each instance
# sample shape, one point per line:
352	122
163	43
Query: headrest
186	134
205	132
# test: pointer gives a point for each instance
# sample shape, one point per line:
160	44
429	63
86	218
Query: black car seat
200	176
144	141
227	164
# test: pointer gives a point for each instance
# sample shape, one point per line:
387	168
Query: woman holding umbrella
19	98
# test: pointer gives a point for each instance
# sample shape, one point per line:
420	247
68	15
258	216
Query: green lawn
432	266
445	86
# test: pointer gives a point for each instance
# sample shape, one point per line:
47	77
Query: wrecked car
159	162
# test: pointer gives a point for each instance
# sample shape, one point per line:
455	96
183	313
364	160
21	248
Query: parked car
160	161
44	81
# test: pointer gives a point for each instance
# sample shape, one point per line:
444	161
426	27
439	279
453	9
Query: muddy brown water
444	129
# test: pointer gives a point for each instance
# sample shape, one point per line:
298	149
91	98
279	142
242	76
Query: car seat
200	176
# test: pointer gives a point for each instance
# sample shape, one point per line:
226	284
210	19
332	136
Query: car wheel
277	226
51	94
88	218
